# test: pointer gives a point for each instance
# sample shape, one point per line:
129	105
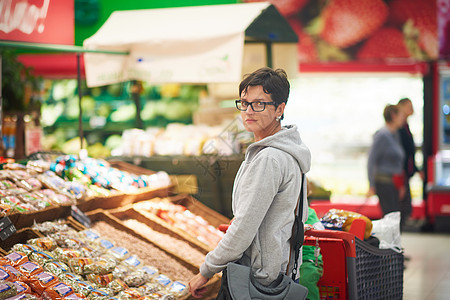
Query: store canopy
198	44
53	66
54	61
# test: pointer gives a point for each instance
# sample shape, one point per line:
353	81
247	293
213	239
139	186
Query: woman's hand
308	227
196	285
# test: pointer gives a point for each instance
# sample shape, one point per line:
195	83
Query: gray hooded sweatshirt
265	194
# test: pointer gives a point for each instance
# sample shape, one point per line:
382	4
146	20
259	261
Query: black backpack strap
298	233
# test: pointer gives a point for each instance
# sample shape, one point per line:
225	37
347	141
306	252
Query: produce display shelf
213	284
115	200
193	205
127	213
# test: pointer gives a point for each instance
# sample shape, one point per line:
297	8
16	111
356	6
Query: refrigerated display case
438	183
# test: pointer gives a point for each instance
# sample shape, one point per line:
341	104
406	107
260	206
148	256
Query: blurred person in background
385	163
405	106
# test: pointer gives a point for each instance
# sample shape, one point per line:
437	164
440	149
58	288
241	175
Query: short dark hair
389	111
273	82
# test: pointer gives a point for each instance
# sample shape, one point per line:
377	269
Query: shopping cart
354	269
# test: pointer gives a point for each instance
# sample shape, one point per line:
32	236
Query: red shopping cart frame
339	272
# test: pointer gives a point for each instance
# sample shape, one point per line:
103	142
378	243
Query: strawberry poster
364	30
41	21
444	28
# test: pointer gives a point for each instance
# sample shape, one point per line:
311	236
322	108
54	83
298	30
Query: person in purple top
385	163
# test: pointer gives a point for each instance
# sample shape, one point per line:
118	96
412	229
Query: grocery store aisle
427	274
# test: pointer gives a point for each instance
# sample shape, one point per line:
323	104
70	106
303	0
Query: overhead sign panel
198	44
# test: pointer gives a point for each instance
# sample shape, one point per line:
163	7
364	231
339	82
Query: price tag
6	228
80	216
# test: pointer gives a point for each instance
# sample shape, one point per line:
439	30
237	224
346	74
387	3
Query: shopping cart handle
348	239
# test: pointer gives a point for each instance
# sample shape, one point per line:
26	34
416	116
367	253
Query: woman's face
263	123
398	119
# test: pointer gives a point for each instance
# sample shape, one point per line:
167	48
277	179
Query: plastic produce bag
387	230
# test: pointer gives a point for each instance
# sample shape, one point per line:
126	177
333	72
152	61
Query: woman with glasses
266	187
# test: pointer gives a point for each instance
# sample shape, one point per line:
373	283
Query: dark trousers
388	196
406	204
224	292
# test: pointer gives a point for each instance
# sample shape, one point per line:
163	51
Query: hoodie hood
288	140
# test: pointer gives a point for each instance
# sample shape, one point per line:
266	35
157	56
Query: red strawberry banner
444	28
368	30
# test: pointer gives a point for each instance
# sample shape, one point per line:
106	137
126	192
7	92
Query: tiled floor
427	274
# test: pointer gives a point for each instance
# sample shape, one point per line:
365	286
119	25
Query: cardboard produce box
101	215
123	199
213	218
193	252
159	234
55	211
128	239
27	219
20	236
184	267
178	265
131	168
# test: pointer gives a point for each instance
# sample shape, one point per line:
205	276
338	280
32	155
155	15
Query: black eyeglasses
257	106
